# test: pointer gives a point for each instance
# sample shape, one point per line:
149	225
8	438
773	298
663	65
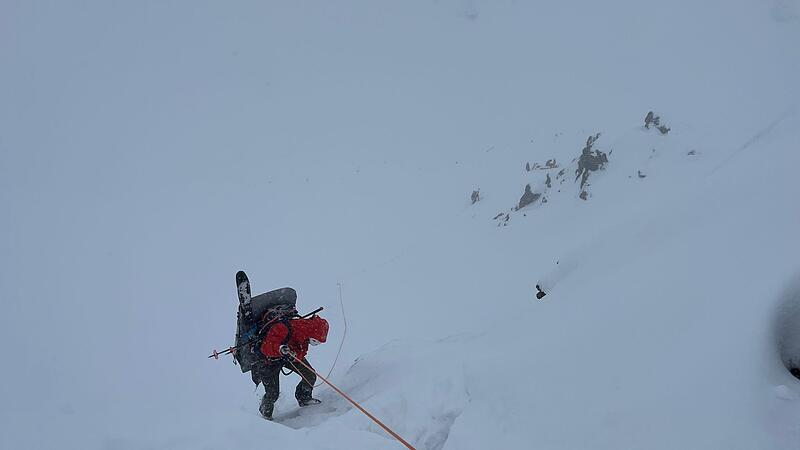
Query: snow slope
149	151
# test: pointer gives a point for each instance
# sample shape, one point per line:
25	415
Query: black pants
269	372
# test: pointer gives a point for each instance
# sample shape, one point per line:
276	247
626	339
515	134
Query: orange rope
374	419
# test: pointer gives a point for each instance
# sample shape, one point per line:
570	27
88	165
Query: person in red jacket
286	341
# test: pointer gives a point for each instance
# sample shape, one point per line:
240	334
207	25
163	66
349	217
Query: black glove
286	351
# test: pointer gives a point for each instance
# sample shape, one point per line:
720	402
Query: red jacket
302	330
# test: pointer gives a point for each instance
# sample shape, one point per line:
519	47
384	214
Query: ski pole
215	354
366	413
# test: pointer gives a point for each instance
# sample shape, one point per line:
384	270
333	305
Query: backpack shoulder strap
288	326
264	330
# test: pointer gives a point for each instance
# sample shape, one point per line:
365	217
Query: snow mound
407	385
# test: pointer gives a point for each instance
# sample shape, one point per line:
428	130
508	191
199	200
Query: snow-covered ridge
596	362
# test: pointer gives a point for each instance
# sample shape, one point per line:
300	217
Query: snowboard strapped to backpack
256	316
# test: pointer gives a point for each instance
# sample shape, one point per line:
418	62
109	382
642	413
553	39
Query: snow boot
266	408
308	402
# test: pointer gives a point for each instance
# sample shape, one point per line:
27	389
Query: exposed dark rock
476	196
549	164
590	160
528	197
652	119
502	219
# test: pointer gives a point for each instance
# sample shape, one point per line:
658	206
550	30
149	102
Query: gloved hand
285	351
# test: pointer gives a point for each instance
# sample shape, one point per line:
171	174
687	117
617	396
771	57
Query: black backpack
253	323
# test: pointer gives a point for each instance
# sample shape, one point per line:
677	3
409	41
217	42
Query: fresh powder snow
149	150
